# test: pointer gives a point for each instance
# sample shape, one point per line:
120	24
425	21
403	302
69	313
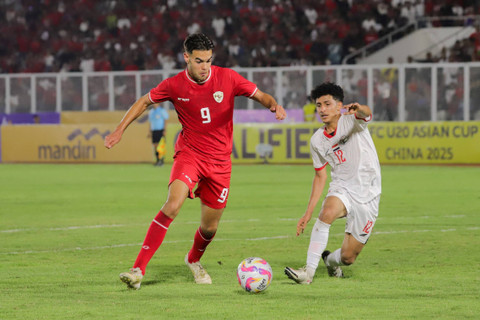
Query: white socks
334	259
318	243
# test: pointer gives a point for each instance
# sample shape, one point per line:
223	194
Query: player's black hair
197	41
328	88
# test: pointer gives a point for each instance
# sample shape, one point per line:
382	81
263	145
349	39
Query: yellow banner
427	142
73	144
396	143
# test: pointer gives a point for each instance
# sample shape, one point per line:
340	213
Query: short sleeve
242	86
361	122
161	92
318	161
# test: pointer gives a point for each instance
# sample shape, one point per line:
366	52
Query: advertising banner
73	144
427	142
396	143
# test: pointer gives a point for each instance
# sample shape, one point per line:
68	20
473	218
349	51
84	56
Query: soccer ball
254	274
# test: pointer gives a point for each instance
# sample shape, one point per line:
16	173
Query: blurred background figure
157	117
309	110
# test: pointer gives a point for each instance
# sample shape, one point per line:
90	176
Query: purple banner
30	118
264	115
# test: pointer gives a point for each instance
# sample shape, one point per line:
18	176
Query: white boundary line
220	239
100	226
146	224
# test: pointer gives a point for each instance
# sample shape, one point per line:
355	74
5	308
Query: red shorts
213	178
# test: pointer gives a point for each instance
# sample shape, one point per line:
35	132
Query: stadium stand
114	35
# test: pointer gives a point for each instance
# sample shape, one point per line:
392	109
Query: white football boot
332	271
199	273
132	278
301	276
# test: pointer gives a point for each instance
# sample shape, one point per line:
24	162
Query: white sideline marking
68	228
99	226
110	226
220	239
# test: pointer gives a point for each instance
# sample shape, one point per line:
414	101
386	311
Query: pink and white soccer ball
254	274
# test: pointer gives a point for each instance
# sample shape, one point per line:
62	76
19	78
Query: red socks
154	238
200	242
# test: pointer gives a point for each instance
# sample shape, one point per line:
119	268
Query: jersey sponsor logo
183	99
218	96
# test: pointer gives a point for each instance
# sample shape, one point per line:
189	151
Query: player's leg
177	193
344	256
213	191
203	237
205	233
358	228
183	178
332	209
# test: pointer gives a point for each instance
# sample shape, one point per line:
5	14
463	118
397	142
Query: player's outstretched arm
318	185
270	103
133	113
359	110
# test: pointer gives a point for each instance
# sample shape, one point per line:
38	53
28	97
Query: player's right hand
112	139
302	224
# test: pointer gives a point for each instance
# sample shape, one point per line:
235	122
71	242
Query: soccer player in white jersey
354	192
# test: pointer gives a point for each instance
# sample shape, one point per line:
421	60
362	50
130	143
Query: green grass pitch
67	231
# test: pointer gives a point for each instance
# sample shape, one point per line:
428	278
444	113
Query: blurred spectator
409	12
475	41
104	35
385	103
309	110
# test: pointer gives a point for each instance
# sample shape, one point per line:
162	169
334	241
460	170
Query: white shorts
361	217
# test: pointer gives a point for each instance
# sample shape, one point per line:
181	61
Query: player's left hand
280	113
351	108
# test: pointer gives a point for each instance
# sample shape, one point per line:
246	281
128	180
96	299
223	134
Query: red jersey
205	109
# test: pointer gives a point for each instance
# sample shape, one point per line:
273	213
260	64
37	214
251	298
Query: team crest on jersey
218	96
343	140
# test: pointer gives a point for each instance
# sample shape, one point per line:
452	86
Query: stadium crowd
112	35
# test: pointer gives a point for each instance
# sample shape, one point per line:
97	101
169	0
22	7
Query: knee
209	228
327	216
171	208
209	231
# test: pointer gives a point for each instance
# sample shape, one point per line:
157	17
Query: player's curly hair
197	41
328	88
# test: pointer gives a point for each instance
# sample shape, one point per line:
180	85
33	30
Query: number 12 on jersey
205	113
340	157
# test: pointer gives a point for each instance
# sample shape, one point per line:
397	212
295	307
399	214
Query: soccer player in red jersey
203	96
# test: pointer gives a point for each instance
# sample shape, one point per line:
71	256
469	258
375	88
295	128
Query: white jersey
351	154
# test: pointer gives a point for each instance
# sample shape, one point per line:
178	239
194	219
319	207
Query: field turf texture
67	231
